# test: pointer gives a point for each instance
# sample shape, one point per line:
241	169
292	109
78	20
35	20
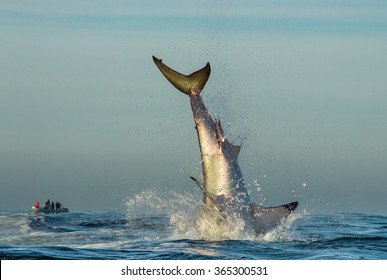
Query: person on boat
58	205
52	206
37	204
47	205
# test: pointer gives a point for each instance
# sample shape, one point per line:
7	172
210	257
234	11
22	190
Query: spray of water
183	216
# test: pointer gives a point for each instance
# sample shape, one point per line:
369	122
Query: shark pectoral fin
266	218
191	84
216	200
210	196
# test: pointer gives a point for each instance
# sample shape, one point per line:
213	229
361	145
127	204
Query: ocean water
154	227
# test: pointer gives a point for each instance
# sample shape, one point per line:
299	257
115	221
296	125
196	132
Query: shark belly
222	176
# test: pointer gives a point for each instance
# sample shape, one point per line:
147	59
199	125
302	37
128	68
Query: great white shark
223	186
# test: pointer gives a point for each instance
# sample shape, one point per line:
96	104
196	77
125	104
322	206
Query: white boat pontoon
43	210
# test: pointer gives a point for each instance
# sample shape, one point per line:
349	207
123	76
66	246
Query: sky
86	118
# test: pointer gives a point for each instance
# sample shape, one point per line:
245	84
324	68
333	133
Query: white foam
188	218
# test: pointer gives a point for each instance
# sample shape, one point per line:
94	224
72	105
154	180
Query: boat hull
38	210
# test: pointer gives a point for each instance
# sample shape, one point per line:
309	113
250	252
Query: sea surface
151	229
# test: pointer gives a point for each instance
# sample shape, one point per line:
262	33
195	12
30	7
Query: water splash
174	212
183	216
282	233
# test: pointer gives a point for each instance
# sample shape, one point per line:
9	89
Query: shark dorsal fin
235	150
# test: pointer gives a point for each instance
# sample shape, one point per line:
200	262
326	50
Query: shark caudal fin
191	84
267	218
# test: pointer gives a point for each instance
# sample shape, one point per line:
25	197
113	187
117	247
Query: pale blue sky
86	118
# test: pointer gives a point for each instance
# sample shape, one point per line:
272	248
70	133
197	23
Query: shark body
223	185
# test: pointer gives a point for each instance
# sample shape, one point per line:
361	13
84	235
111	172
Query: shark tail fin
266	218
191	84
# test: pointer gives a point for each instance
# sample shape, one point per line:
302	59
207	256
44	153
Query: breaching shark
223	186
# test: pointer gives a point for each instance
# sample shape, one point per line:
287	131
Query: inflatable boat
40	209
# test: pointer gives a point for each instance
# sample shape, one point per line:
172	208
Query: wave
164	226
